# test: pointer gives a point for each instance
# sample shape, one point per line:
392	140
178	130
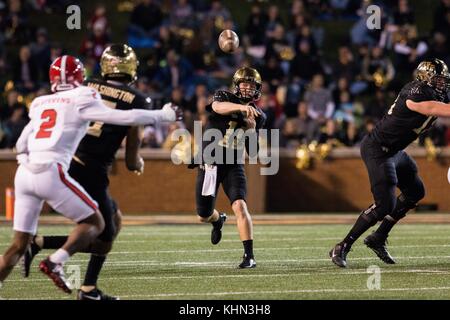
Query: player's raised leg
413	191
74	203
383	181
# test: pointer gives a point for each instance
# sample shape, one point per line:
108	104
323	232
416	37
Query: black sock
402	206
93	270
53	242
386	226
56	242
248	248
217	223
361	225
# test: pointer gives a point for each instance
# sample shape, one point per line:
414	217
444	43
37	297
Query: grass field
178	262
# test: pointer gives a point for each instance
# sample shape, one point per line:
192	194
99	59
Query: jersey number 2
49	117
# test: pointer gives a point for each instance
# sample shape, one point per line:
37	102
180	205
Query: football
228	41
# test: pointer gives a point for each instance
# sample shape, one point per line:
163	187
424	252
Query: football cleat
377	243
339	254
95	295
26	260
216	232
247	262
55	272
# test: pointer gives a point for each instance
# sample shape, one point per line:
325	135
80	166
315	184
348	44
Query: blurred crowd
326	76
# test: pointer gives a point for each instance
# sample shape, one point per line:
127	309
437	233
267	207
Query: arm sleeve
219	96
97	111
22	142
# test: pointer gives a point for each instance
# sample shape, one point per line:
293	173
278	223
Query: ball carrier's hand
250	111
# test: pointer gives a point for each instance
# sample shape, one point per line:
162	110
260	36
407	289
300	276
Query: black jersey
228	124
100	144
400	126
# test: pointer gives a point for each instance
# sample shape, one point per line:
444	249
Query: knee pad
403	206
371	215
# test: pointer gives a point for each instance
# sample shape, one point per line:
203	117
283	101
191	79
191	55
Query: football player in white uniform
45	148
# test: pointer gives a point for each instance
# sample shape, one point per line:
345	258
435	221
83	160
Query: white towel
209	181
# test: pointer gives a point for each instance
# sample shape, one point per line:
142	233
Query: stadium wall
339	184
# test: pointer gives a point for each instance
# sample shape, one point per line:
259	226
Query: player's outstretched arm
430	108
224	107
135	117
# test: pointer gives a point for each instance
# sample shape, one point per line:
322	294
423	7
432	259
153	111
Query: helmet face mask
247	84
435	74
119	62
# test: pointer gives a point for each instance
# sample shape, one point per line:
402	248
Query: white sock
60	256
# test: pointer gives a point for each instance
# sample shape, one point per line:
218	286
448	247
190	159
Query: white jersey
59	121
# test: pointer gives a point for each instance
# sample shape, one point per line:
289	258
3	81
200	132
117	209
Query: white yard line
230	263
280	292
265	275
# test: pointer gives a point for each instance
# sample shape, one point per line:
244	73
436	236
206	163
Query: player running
93	159
230	112
413	112
45	148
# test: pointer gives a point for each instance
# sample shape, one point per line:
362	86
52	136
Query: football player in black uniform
413	112
231	112
93	159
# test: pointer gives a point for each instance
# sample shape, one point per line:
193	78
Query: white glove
170	113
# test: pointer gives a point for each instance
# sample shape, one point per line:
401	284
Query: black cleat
26	260
339	254
95	295
377	243
216	232
247	262
55	272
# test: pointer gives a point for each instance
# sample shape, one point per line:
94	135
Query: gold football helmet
434	73
119	62
247	75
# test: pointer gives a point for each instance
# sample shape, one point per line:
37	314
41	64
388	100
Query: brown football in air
228	41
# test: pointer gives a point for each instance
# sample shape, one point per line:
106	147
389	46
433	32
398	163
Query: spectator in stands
274	21
182	15
306	126
40	51
272	73
98	18
378	69
218	14
175	71
256	21
96	43
25	71
409	49
403	15
376	106
305	64
320	101
440	47
145	20
441	18
14	125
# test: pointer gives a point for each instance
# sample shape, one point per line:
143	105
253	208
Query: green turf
178	262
